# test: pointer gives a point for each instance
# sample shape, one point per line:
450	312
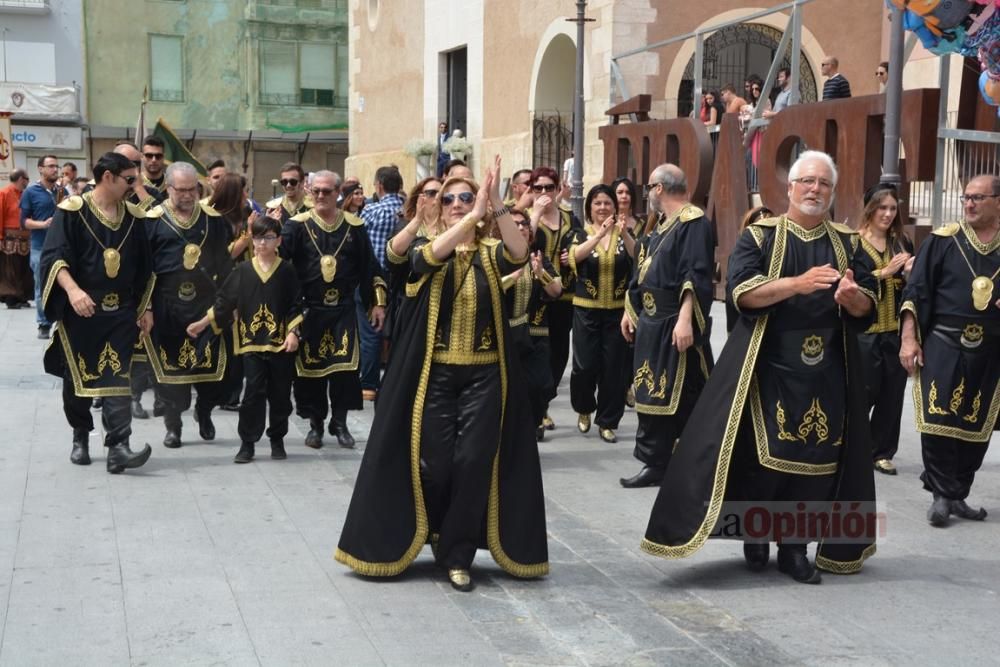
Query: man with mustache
776	427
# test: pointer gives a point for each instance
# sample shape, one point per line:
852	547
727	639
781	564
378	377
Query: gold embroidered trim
923	426
844	567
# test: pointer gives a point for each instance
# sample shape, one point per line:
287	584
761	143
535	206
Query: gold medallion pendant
112	262
982	292
328	267
192	253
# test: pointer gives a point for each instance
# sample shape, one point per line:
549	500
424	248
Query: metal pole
893	100
699	72
793	96
576	195
937	188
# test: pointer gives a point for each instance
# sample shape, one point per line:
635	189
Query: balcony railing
35	101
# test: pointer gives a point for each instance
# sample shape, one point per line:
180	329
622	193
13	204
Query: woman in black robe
452	457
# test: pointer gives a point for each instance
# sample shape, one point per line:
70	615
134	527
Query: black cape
386	524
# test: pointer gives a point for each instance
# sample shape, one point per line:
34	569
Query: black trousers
459	437
764	485
599	354
116	413
269	383
233	378
560	326
655	437
885	379
535	367
950	465
343	389
176	398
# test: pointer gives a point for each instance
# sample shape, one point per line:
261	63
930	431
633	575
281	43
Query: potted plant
458	146
423	151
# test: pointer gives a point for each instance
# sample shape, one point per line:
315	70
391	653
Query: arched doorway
735	52
552	115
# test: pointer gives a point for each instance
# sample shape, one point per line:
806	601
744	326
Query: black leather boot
206	429
278	449
138	412
756	554
961	509
245	455
120	457
939	511
648	476
81	447
314	438
172	439
338	428
793	561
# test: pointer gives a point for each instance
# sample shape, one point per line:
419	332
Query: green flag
174	149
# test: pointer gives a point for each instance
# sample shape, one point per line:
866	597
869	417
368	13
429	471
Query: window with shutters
166	68
303	74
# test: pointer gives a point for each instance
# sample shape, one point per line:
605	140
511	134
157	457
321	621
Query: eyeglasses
323	191
289	182
464	197
543	187
153	156
649	187
810	181
430	193
880	73
522	223
977	199
50	166
184	191
269	238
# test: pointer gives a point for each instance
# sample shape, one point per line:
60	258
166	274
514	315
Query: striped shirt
836	87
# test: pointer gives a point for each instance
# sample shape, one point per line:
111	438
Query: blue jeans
34	259
371	351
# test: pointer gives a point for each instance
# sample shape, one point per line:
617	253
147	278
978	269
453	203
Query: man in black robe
333	257
295	200
96	266
667	314
950	345
190	245
776	426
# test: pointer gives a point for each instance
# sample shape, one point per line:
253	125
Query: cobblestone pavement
194	560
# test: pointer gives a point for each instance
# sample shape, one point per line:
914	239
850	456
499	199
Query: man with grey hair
667	316
191	260
334	260
776	428
950	345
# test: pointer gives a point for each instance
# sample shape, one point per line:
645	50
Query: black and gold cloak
190	260
786	395
288	209
110	260
387	524
330	342
552	243
266	305
956	394
676	259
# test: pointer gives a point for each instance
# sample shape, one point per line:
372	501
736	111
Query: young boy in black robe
264	293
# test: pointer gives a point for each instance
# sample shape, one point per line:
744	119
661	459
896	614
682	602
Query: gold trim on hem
981	437
349	365
845	567
764	453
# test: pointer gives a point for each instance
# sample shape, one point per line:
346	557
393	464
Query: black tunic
956	393
788	382
181	295
267	306
387	522
677	258
97	350
330	331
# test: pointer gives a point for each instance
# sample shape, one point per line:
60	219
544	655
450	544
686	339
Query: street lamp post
576	194
893	101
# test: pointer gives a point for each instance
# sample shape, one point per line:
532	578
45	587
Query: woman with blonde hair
890	254
452	457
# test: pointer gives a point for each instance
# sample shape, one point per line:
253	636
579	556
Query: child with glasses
264	293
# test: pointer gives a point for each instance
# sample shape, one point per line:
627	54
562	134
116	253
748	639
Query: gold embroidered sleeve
295	322
699	316
630	311
381	292
216	329
147	294
428	255
508	281
391	255
746	286
50	280
572	258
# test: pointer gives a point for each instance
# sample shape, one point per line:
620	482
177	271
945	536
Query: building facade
503	72
41	80
256	83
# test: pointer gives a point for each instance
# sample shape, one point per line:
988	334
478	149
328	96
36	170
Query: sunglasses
270	238
129	180
548	187
289	182
153	156
323	191
464	197
878	73
430	193
522	223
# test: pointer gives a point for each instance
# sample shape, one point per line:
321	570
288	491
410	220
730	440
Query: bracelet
500	212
